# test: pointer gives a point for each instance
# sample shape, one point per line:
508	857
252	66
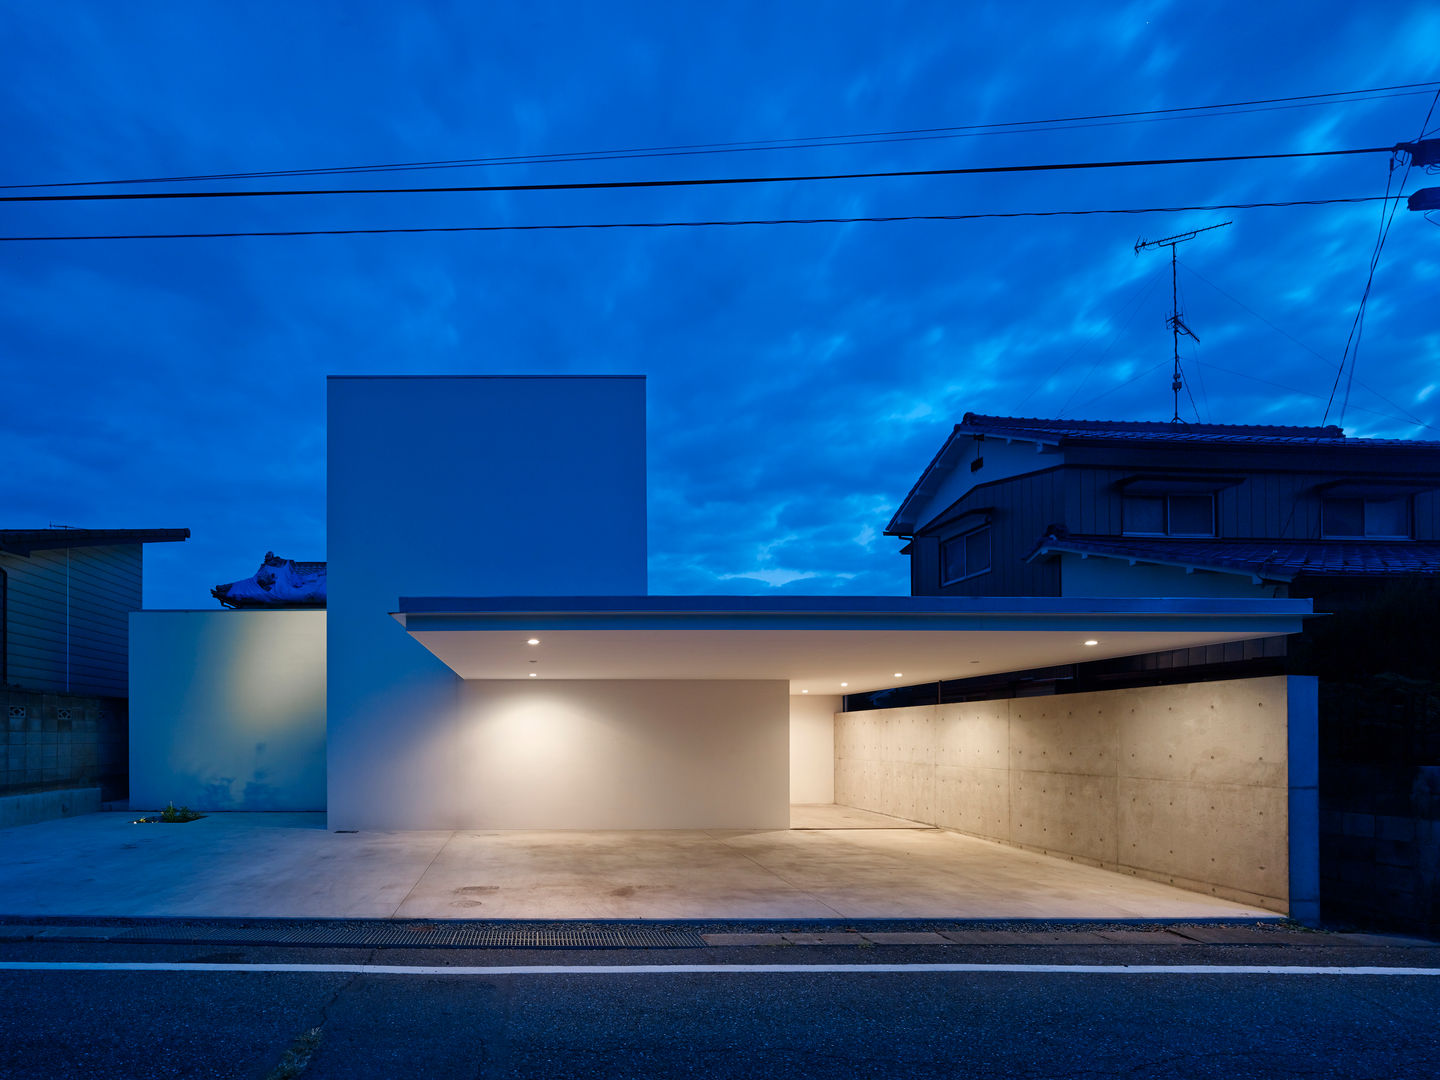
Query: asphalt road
912	1023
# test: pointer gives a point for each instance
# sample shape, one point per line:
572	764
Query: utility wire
1186	112
1310	394
608	185
1364	303
1328	361
696	224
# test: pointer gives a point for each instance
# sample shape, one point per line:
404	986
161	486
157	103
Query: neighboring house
1024	507
1059	508
65	601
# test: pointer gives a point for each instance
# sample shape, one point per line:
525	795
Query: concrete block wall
61	741
1190	784
47	805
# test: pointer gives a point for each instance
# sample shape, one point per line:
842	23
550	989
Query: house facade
1050	508
478	668
1023	507
65	600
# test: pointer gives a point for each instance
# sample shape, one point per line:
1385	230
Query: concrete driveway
836	863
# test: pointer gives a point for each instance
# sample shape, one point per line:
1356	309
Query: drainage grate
619	938
427	936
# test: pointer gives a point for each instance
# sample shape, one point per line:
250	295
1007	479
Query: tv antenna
1177	324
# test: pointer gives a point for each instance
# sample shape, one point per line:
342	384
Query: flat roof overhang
818	643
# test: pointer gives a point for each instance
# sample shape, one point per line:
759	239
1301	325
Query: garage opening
1190	785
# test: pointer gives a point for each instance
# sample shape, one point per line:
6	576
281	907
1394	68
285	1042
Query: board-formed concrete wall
1208	786
632	754
227	709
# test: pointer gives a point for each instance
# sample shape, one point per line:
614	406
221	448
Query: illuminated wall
503	486
633	754
1208	786
227	709
812	747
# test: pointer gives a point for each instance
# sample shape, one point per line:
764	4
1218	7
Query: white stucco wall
1002	460
227	709
1208	786
812	747
635	754
485	486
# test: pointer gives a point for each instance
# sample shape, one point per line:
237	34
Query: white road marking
731	969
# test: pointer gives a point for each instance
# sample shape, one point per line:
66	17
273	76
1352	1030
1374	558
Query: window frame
1407	509
1167	531
963	539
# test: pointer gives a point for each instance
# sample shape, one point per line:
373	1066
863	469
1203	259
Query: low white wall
227	709
573	754
1195	784
812	747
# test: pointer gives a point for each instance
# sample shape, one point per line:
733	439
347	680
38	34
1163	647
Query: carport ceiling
817	643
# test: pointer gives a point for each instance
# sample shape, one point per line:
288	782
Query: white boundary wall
227	709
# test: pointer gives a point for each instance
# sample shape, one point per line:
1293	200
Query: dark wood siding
1278	496
1020	509
79	645
1273	505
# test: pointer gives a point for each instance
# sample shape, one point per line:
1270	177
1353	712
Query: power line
1328	361
1185	112
1357	327
607	185
555	227
1310	394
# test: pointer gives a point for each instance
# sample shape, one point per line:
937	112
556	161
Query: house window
1170	515
1375	518
965	556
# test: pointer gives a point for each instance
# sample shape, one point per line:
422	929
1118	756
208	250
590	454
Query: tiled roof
1149	431
1278	560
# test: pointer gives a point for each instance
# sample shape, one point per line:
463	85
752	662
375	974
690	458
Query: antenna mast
1176	323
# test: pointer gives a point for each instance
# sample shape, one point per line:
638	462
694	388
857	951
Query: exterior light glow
804	691
533	641
1092	641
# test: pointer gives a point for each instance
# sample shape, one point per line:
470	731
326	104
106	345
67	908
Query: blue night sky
800	376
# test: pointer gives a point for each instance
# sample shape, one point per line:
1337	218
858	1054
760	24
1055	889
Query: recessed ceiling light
533	641
804	691
533	675
899	674
844	684
1092	641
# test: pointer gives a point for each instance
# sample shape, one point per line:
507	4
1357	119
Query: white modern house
491	659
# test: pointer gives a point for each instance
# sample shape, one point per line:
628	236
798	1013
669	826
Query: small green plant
179	815
172	815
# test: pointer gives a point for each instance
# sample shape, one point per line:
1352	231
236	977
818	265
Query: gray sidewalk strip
480	935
